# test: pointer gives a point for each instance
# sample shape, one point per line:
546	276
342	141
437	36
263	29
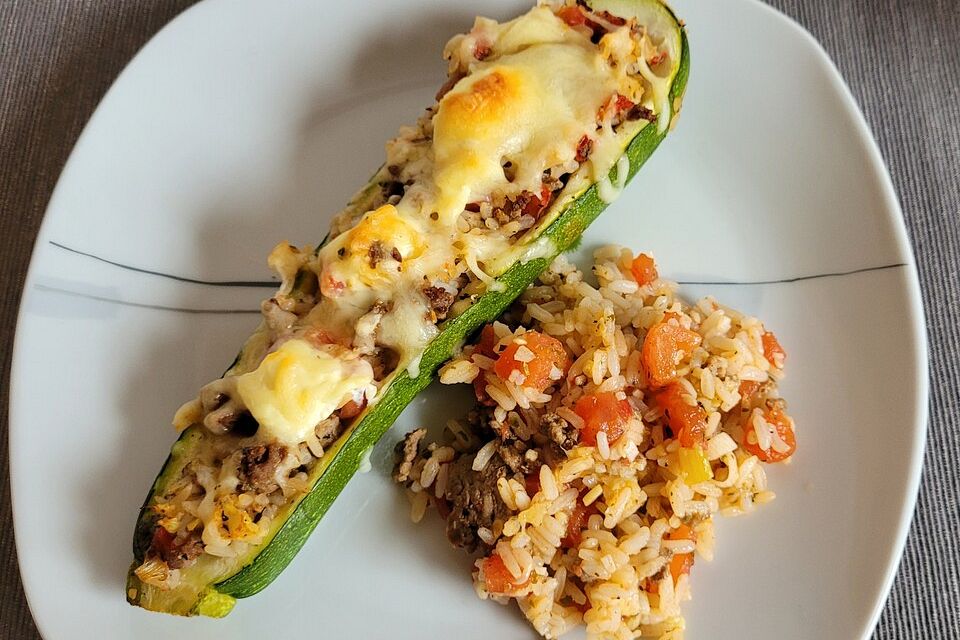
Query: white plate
245	122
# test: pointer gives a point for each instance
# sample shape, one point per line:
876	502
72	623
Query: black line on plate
170	276
272	284
142	305
833	274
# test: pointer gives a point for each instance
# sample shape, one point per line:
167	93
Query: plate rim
892	210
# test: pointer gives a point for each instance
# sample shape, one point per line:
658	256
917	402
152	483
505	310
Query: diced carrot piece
545	353
687	422
602	412
748	388
644	269
681	563
497	577
772	350
683	532
781	422
664	348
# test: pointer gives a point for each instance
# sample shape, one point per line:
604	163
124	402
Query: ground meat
258	465
375	253
231	418
559	431
474	501
440	300
185	552
176	551
328	430
512	209
552	455
513	455
407	450
452	80
392	188
639	112
384	361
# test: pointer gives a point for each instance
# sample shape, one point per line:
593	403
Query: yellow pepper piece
694	466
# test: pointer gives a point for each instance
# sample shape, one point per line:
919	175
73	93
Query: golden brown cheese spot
528	108
483	104
367	255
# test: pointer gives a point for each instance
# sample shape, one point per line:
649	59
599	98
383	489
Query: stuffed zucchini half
542	121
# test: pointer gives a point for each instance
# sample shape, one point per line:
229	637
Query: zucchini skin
343	459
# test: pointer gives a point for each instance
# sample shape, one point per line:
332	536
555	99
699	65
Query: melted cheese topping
297	386
528	108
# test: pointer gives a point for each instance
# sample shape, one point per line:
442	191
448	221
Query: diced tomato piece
623	103
644	269
687	422
330	286
162	540
497	577
748	388
602	412
480	390
531	482
772	350
536	204
487	341
664	348
319	337
781	422
577	523
548	352
657	59
584	147
481	50
442	505
352	409
572	16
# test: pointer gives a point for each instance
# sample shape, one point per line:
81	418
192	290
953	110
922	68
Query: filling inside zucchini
534	111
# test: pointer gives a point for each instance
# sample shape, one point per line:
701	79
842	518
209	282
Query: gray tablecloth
901	58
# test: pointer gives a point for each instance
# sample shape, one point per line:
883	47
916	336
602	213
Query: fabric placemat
900	58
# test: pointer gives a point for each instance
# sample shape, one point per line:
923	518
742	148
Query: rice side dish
612	422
